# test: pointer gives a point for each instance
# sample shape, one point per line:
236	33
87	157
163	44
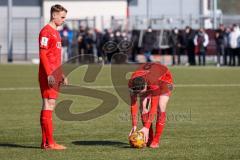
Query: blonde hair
57	8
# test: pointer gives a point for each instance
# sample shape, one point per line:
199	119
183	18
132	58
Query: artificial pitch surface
203	118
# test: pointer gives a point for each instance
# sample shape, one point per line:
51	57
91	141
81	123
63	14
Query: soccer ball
136	140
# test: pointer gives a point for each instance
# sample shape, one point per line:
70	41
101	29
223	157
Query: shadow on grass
102	143
16	146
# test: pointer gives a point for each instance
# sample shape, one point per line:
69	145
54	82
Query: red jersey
50	61
159	81
49	50
156	76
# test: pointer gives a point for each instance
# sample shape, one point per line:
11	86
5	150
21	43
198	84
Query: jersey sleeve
153	111
134	110
45	62
167	77
44	41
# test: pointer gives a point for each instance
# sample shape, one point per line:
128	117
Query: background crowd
195	44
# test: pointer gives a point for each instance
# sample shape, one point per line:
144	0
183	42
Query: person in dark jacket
98	41
219	38
105	39
81	43
181	45
148	44
89	42
227	50
174	44
189	38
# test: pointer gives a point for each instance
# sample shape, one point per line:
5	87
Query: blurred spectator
201	41
174	44
106	38
98	42
89	43
165	42
148	44
135	48
219	38
70	43
234	37
125	36
65	43
115	57
81	43
118	37
181	45
238	46
189	43
227	46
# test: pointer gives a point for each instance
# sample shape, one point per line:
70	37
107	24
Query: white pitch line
18	88
110	87
207	85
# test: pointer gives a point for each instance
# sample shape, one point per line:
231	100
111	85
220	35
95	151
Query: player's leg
43	123
144	109
46	116
161	118
47	110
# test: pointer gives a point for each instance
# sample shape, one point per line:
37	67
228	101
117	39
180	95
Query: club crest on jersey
44	41
59	45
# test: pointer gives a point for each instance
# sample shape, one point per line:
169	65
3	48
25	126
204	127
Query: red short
46	91
167	84
166	89
167	94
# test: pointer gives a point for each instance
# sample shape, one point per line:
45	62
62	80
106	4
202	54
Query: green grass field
203	118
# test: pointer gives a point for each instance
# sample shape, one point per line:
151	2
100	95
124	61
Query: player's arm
134	112
46	66
45	62
44	43
153	111
44	47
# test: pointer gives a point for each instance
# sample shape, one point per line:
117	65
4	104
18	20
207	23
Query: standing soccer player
50	80
153	84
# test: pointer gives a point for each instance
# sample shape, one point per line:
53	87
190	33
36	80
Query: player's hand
51	80
146	133
134	128
65	81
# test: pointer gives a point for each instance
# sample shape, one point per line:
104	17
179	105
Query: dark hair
57	8
138	84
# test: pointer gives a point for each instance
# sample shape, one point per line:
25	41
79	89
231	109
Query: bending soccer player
50	77
153	84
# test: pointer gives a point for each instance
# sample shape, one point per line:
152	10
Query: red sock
144	119
161	118
44	138
47	125
150	138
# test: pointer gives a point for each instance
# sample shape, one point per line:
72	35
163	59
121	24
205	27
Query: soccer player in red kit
49	79
152	83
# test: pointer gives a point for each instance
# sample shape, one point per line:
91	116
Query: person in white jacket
201	41
233	38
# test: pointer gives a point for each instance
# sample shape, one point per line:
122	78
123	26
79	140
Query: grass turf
203	120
